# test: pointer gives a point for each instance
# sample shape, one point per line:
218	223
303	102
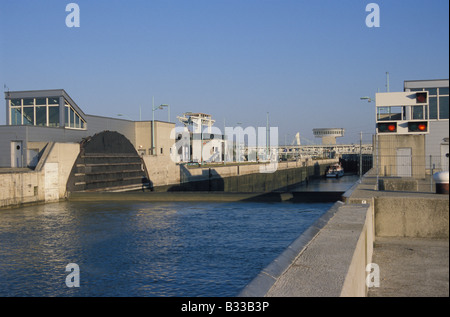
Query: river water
147	248
144	249
341	184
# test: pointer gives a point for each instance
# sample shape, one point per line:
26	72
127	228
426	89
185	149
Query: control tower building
328	135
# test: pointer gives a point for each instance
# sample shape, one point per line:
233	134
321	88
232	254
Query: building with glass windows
436	141
35	118
45	108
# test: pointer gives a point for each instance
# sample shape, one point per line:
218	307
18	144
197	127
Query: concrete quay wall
327	260
331	257
408	214
46	183
234	178
426	216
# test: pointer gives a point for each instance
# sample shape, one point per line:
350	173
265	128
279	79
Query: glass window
443	107
416	89
16	102
433	107
41	101
77	121
72	118
16	116
41	116
432	91
53	101
443	91
28	102
418	112
28	115
389	113
53	116
66	116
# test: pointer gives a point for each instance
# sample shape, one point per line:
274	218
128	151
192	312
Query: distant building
35	118
199	141
328	135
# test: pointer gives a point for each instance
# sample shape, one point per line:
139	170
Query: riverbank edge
265	280
333	261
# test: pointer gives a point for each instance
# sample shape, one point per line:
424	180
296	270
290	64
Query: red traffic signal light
388	127
417	126
421	97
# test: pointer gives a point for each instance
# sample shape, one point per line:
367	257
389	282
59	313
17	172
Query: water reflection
341	184
144	249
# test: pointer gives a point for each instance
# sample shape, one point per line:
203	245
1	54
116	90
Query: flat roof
426	83
43	93
196	114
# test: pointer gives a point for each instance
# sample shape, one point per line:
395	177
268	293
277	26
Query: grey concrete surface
321	268
414	266
411	267
266	279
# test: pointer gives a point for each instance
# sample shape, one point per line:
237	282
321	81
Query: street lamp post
366	98
153	122
376	145
267	138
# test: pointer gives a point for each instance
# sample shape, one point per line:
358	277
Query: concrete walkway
411	267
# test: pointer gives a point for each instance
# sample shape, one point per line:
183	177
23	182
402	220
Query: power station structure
328	135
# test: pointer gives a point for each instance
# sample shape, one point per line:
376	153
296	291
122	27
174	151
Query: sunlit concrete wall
46	183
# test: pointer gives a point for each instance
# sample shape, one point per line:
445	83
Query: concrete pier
405	234
328	260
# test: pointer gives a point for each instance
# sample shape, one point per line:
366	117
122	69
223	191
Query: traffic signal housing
418	126
387	127
402	113
421	97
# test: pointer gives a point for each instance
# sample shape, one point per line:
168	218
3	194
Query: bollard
441	180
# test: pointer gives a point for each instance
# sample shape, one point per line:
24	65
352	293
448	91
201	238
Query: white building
436	141
199	141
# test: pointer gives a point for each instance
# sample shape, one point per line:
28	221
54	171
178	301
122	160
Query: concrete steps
99	171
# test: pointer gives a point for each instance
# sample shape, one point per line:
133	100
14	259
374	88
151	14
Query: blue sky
307	63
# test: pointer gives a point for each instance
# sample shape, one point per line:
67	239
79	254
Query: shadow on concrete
279	186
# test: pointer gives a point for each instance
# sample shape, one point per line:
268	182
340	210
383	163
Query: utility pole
360	157
153	125
387	81
267	138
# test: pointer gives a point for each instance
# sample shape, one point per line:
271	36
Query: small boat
335	171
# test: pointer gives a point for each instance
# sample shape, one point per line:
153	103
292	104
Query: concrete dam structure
107	161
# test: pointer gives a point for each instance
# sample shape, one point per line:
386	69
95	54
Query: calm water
145	249
329	184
